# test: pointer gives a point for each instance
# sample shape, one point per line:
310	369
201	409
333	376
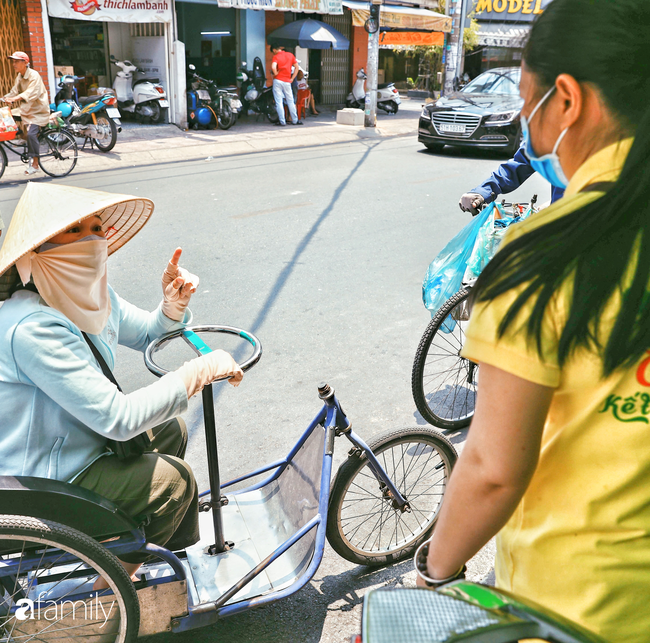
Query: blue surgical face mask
548	165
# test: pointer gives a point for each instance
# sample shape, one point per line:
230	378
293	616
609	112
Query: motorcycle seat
86	100
384	85
146	80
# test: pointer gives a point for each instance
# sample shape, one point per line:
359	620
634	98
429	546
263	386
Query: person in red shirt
284	69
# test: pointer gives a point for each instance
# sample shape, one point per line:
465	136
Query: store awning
330	7
412	38
397	17
494	34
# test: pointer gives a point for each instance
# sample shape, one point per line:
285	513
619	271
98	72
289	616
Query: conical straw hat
45	209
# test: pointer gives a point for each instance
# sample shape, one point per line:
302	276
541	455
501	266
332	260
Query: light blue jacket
57	409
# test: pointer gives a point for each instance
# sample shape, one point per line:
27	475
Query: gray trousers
32	141
156	489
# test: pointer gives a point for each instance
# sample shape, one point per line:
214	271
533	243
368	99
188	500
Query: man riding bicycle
29	90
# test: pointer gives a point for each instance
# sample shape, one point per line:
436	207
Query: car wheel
435	147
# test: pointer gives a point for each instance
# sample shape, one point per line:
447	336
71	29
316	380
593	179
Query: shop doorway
80	46
210	42
335	69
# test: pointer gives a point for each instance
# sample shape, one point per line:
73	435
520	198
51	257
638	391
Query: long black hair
603	247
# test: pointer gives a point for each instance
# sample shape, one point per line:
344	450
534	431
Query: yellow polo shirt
579	541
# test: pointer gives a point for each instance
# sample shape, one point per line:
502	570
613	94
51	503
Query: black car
484	113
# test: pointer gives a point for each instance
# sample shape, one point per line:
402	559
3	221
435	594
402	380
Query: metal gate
11	39
335	65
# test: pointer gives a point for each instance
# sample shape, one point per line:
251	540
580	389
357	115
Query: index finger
176	256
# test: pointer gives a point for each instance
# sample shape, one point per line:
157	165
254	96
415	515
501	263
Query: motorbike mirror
244	63
191	67
60	74
113	57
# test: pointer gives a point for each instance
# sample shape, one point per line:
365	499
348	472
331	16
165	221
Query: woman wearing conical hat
59	410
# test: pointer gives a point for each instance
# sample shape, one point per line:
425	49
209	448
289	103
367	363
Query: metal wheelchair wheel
57	152
363	526
444	384
46	584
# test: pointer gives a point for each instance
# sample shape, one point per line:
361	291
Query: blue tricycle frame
276	527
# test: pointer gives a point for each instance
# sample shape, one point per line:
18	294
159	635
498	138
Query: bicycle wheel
57	152
46	585
362	524
3	160
444	383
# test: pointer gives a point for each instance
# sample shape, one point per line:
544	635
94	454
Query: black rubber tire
459	416
17	533
435	147
157	115
59	146
348	487
227	117
269	109
113	129
3	161
392	106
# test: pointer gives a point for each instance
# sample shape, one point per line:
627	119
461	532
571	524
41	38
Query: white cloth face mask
72	278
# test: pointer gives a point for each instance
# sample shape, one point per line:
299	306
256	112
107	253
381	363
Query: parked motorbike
254	95
143	97
388	97
91	118
210	106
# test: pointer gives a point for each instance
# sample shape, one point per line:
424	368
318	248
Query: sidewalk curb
183	149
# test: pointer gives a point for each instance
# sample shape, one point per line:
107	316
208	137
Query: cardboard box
64	70
350	116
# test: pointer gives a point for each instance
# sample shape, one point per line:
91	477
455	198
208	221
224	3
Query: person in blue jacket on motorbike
507	178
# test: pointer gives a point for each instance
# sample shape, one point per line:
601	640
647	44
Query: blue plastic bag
489	239
445	274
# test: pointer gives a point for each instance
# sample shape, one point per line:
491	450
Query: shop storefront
209	33
503	29
86	33
400	27
220	34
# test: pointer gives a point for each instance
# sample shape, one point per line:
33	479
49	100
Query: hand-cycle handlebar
189	335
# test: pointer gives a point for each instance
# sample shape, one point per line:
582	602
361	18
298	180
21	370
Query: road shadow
281	280
301	617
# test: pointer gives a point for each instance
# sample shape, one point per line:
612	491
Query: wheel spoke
368	521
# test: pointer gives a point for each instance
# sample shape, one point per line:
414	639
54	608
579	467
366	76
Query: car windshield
495	82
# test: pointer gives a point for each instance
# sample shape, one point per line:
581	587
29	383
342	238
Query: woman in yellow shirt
557	460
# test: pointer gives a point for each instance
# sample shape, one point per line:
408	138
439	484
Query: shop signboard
402	18
412	38
508	10
299	6
112	10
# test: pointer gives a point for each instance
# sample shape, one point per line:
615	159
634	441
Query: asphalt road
321	253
